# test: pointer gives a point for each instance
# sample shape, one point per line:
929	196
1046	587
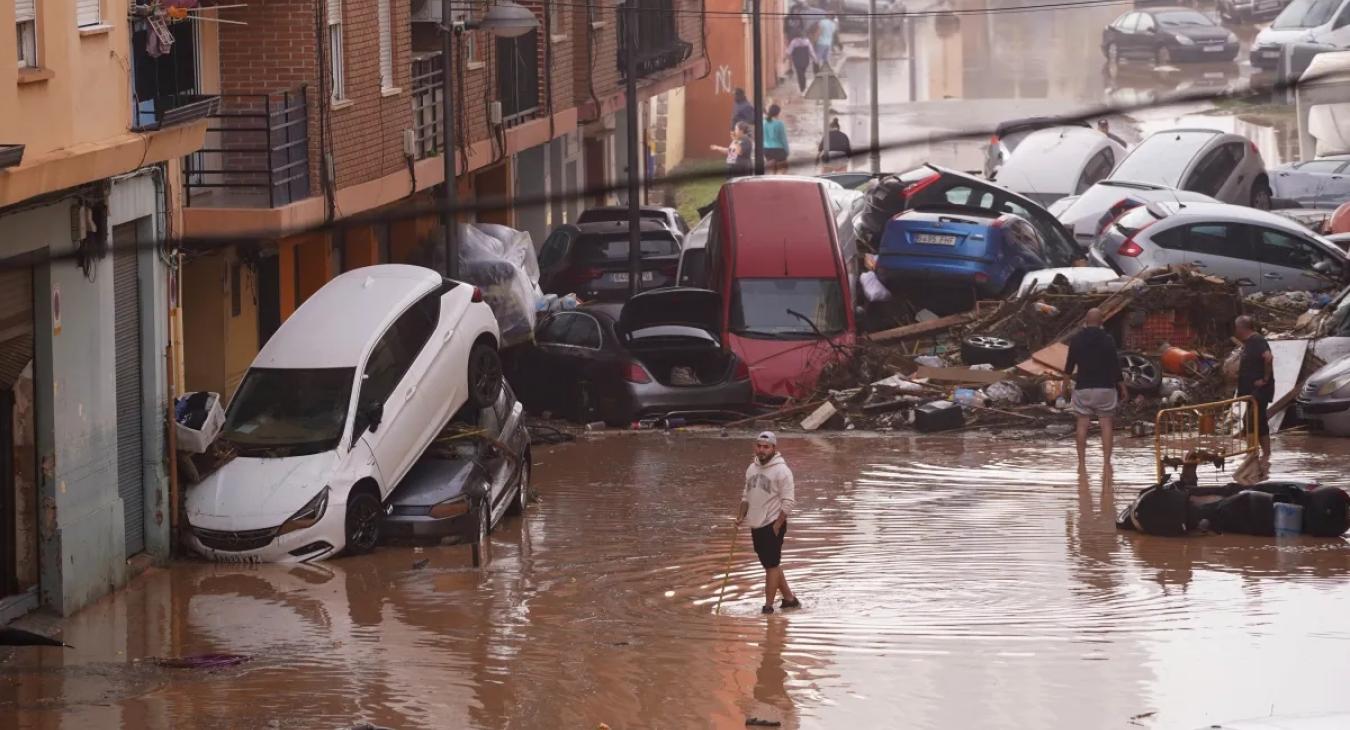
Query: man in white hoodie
766	503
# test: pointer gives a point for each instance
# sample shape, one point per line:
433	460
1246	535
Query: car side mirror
1245	282
1324	267
373	414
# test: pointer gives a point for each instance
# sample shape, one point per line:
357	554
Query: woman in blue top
775	141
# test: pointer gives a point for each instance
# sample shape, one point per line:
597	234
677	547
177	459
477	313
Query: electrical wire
739	14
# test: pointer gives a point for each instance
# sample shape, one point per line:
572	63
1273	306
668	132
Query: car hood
786	368
250	494
434	480
680	306
1272	37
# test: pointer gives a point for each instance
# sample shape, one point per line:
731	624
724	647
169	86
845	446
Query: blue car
963	251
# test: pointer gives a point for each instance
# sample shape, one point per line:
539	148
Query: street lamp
503	19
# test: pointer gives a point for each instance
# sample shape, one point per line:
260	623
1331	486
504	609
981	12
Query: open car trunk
673	333
682	360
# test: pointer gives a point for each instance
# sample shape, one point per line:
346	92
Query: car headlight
307	516
1335	386
452	507
1183	40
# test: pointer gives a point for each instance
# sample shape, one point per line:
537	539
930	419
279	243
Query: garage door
16	350
127	337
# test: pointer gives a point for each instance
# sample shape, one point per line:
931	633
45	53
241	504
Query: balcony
428	89
658	39
256	153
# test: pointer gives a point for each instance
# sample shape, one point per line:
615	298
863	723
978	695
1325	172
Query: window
966	196
557	18
289	412
1322	166
584	332
337	73
554	331
88	12
554	249
1214	169
759	308
467	42
382	12
1146	23
1277	248
518	75
1211	239
1096	170
397	349
25	20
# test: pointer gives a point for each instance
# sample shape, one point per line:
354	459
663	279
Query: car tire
984	349
523	490
1162	57
1262	196
362	523
485	375
1143	375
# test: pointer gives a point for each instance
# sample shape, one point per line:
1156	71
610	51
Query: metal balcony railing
659	47
428	88
256	153
518	78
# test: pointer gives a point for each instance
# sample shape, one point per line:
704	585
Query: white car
337	407
1302	21
1050	164
1226	167
1088	214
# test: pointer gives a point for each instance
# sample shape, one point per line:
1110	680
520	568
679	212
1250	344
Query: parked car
851	180
336	408
1249	11
1087	215
775	258
1226	167
459	492
1009	134
591	259
1302	21
693	267
1331	336
1258	250
669	217
660	353
961	250
1167	35
932	185
1320	183
1053	163
1325	398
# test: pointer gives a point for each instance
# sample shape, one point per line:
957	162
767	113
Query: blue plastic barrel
1288	519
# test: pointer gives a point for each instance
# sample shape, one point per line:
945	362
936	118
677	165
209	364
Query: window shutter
386	46
23	11
88	12
334	11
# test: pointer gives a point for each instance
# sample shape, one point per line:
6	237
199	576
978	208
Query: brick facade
598	75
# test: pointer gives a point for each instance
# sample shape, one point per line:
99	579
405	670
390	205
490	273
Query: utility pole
758	43
913	59
450	193
630	91
875	133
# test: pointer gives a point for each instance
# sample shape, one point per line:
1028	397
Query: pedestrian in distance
741	109
835	150
1098	386
766	503
775	141
802	54
825	37
740	151
794	25
1256	378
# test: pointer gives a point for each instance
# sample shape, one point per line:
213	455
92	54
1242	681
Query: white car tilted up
336	409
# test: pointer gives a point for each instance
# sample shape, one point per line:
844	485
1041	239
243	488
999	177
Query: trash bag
1249	512
198	419
499	266
1162	509
1326	512
1005	394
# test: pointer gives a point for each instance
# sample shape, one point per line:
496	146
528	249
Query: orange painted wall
708	100
360	248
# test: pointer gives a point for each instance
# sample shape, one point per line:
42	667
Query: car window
583	332
1278	248
1129	22
416	325
1058	249
597	249
1305	14
681	224
384	368
1214	169
554	330
1119	23
554	248
1146	23
1212	239
1343	19
1022	234
1323	166
1096	170
397	349
966	195
1183	18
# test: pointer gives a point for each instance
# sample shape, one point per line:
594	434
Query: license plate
1213	49
622	277
934	239
1271	54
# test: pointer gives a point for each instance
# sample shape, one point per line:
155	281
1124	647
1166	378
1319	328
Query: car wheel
362	523
988	350
523	491
1162	57
1262	195
1142	375
485	376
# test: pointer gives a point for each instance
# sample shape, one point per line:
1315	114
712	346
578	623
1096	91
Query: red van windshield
786	309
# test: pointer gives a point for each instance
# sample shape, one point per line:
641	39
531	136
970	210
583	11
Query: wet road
948	582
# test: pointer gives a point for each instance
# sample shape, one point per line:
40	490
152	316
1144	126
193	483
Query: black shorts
768	546
775	154
1262	417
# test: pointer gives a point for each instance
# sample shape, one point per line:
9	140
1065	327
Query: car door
1220	249
1236	165
1305	181
1287	262
539	368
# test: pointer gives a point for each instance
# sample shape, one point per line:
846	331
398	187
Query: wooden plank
818	417
1047	360
960	375
922	328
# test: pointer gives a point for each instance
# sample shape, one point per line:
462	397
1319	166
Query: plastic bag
498	266
198	419
1005	394
873	289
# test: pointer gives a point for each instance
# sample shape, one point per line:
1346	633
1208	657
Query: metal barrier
1205	433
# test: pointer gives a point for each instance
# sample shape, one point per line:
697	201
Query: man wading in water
1095	368
766	503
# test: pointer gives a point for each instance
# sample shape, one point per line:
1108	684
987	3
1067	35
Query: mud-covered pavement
947	582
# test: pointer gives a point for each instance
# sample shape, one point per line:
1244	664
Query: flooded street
947	582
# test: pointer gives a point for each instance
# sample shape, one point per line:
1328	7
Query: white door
1218	249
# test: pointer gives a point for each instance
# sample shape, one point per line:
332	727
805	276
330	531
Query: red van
773	254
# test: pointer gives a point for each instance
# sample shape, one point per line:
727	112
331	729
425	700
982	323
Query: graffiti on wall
722	80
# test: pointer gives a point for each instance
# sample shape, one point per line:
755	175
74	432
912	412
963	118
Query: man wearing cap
766	503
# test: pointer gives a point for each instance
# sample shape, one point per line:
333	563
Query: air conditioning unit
426	11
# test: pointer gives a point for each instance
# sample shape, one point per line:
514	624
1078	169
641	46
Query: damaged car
659	354
336	408
1325	398
591	259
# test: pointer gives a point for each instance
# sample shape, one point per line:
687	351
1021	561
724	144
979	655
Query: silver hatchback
1259	251
1226	167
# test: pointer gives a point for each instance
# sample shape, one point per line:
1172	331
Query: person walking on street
775	141
825	30
1097	381
1256	378
802	54
740	151
766	503
835	150
741	109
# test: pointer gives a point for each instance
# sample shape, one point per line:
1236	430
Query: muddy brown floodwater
948	583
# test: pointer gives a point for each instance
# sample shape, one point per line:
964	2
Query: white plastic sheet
195	440
501	262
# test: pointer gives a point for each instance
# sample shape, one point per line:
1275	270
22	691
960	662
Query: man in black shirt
1256	378
1097	379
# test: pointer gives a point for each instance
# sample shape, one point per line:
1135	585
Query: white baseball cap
767	437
